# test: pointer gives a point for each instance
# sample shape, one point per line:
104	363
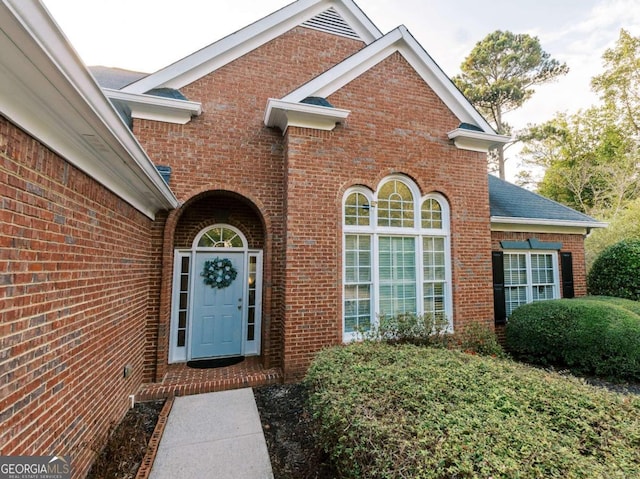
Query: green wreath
218	273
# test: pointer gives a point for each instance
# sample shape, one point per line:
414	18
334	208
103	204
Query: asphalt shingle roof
115	78
511	201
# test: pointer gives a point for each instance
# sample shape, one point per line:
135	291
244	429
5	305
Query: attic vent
330	21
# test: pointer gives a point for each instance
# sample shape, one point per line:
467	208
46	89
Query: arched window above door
220	236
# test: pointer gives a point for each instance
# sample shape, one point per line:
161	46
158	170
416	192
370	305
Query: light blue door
216	328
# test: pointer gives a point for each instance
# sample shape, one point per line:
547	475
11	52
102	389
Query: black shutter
499	305
566	263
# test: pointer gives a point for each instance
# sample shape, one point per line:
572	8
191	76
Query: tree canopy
592	158
499	74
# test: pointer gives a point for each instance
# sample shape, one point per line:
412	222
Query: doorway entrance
216	309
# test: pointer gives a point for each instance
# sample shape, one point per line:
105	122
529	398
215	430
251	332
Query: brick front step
180	380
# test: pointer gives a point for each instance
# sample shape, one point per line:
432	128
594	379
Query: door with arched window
217	297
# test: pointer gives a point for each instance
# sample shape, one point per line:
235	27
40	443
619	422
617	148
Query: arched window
395	204
396	254
431	214
357	209
220	236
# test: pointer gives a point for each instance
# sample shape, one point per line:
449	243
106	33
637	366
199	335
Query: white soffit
231	47
476	140
48	92
507	223
284	114
150	107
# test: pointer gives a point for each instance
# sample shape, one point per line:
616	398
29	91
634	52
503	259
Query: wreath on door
218	273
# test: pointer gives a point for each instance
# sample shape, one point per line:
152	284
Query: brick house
321	172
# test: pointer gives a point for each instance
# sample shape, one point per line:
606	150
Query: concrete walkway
214	435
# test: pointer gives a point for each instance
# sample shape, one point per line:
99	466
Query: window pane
357	210
515	269
220	237
357	288
251	332
397	275
434	276
395	205
533	283
357	308
431	214
514	297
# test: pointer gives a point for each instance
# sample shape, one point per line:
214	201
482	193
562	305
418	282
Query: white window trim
529	285
417	232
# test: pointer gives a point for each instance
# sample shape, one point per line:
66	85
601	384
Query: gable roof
473	129
340	17
397	40
515	205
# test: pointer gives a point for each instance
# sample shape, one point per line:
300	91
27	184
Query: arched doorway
217	296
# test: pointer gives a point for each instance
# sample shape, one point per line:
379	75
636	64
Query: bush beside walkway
388	411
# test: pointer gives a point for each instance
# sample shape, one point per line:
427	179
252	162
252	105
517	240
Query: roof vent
330	21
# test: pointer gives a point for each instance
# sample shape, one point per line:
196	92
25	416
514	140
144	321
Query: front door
217	320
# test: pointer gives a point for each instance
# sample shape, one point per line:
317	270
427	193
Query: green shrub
425	330
616	272
418	329
478	338
633	306
589	336
402	411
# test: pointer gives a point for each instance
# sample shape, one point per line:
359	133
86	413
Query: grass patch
387	411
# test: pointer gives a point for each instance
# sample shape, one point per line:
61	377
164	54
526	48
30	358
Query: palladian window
396	254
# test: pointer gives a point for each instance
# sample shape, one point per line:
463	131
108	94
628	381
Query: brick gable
397	125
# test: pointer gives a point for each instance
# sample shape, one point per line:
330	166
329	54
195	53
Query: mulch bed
286	422
288	430
126	447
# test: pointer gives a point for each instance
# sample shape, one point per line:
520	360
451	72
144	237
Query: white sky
146	35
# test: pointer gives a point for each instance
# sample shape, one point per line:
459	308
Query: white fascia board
476	140
235	45
48	92
397	40
357	19
150	107
506	220
284	114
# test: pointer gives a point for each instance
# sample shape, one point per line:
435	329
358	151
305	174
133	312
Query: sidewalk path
214	435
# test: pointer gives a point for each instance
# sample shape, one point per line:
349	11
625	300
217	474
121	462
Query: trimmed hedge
598	336
616	272
390	412
633	306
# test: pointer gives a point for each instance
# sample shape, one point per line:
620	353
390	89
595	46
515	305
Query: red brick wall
229	149
75	275
397	125
573	243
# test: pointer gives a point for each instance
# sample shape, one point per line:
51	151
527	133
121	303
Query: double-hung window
396	254
530	276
